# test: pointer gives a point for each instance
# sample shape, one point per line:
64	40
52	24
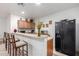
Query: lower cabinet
50	47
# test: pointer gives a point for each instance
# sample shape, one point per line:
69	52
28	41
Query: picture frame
50	21
47	25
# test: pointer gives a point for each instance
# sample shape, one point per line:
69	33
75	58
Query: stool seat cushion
15	40
20	44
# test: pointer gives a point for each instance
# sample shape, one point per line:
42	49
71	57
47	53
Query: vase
15	30
39	33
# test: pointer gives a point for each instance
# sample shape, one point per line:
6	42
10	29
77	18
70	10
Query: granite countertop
31	35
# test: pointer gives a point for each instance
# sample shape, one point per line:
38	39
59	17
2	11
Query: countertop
32	35
36	43
37	46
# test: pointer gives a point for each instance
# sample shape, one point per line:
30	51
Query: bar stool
4	37
5	40
18	47
9	42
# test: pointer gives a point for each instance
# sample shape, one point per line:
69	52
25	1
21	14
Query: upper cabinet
20	24
25	24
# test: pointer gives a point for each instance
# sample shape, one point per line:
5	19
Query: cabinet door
50	47
20	24
69	37
24	24
28	25
32	25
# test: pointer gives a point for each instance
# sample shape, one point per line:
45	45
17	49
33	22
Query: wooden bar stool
5	39
18	47
9	42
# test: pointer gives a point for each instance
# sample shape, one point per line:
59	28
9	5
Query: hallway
3	52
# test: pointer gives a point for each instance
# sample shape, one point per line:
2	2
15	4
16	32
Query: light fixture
22	12
21	4
37	3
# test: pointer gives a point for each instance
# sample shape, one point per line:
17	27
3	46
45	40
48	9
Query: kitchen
26	32
37	29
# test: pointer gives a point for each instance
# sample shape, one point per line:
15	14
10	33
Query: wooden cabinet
20	24
24	24
50	47
29	25
33	25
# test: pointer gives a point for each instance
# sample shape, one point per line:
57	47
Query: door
58	37
68	44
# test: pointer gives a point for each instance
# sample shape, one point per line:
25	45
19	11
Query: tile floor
3	52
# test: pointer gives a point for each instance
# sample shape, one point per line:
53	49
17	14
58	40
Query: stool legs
23	51
6	44
13	51
16	52
10	49
27	49
19	51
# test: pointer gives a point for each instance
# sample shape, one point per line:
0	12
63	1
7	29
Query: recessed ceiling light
37	3
22	12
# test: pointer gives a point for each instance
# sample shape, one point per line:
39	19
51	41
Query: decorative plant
15	30
39	25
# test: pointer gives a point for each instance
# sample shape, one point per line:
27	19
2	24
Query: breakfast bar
37	46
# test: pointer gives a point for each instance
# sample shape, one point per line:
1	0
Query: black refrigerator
65	37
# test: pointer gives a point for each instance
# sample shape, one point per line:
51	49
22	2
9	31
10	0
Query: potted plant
15	30
39	25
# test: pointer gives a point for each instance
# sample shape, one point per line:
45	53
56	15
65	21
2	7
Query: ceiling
32	10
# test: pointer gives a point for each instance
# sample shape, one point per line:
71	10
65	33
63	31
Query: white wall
2	27
66	14
8	23
12	22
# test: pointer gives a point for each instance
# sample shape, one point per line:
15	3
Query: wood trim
50	47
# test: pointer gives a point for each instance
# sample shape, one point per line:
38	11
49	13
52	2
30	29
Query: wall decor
43	25
26	20
50	21
47	25
20	18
